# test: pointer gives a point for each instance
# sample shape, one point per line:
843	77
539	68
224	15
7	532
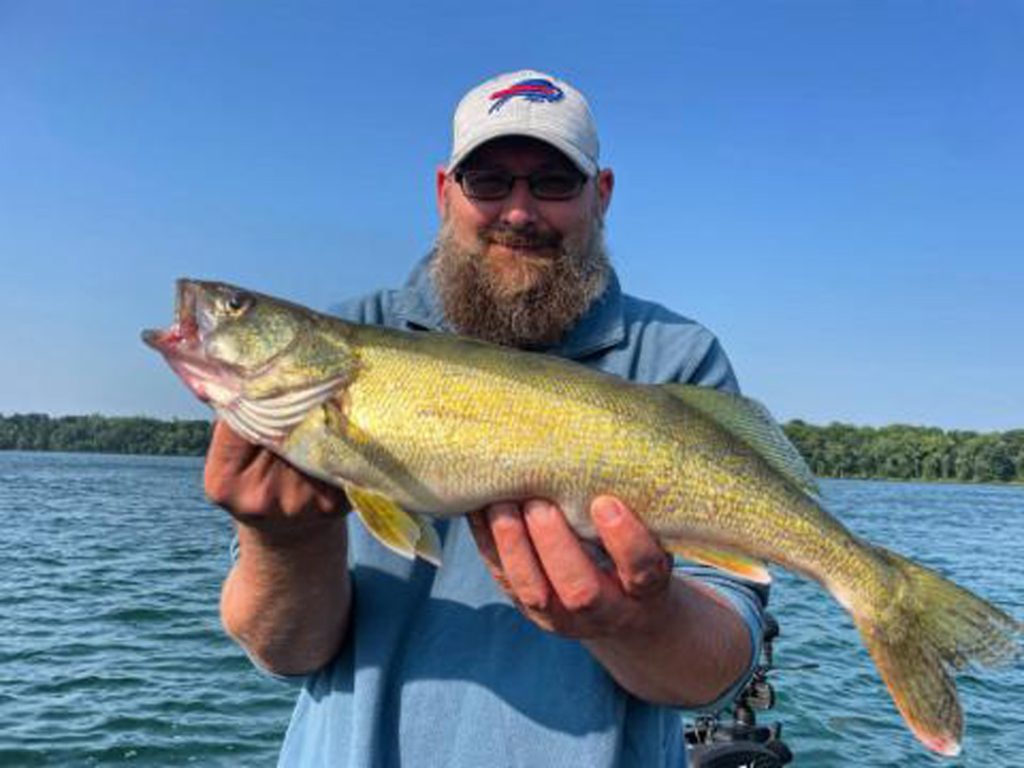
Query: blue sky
836	188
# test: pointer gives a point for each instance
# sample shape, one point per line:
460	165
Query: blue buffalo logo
534	89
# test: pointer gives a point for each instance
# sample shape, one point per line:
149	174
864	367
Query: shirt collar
602	326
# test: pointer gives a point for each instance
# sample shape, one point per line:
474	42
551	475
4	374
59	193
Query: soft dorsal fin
750	422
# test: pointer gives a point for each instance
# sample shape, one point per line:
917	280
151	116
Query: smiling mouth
525	246
524	239
525	250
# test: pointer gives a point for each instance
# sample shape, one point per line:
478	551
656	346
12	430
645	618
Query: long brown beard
526	305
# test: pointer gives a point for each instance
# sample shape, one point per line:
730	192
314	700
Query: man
528	647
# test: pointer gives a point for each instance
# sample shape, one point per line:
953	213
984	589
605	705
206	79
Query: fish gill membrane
419	425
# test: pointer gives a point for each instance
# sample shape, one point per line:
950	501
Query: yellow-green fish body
415	424
444	425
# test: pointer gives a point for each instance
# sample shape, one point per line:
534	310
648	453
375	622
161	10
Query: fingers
227	457
581	587
229	444
480	528
542	566
299	492
519	561
545	569
259	488
643	567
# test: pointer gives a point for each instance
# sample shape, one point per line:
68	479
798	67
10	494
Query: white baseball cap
526	103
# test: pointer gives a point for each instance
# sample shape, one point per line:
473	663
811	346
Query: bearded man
529	647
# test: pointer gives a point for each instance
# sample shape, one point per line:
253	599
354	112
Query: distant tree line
838	450
910	453
103	434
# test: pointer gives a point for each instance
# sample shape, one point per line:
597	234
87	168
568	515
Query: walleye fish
413	425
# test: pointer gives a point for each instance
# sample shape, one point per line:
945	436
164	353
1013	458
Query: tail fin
926	629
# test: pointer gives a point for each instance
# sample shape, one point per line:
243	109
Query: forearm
287	602
690	650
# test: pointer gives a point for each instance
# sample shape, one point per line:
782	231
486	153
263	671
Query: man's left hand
545	569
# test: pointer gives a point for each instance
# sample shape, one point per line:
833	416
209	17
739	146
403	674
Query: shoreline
897	452
914	480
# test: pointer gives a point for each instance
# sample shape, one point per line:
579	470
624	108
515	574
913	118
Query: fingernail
500	510
539	509
607	511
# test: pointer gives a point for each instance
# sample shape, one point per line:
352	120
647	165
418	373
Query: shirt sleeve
713	369
363	309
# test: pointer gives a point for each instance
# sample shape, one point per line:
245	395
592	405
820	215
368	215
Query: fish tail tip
944	744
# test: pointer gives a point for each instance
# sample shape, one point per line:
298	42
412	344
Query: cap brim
587	166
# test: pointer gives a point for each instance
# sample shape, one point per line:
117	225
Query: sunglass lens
556	186
486	185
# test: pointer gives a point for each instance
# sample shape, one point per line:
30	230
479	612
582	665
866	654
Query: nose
520	207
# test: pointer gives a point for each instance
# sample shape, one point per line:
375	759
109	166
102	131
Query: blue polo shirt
440	670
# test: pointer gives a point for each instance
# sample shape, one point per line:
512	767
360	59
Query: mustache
520	237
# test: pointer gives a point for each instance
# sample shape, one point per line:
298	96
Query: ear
441	182
605	185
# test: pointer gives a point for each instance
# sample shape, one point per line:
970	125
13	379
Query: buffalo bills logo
535	89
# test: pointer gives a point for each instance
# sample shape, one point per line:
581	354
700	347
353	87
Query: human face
519	238
517	271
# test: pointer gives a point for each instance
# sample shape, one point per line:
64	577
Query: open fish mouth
182	346
182	337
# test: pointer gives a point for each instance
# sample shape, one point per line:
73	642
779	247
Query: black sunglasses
496	184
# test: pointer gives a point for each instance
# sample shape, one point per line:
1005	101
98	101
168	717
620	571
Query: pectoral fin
726	560
403	532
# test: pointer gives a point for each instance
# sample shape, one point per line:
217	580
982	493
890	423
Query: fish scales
493	430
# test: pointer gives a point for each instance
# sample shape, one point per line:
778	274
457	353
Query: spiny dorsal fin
403	532
749	421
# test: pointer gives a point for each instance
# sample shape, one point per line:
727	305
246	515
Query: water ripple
111	649
839	714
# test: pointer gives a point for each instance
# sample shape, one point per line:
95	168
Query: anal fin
405	533
729	560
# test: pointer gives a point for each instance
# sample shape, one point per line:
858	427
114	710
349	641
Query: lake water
111	651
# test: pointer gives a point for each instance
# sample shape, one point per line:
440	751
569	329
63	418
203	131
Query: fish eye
237	302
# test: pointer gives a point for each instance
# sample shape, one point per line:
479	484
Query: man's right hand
288	598
263	491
